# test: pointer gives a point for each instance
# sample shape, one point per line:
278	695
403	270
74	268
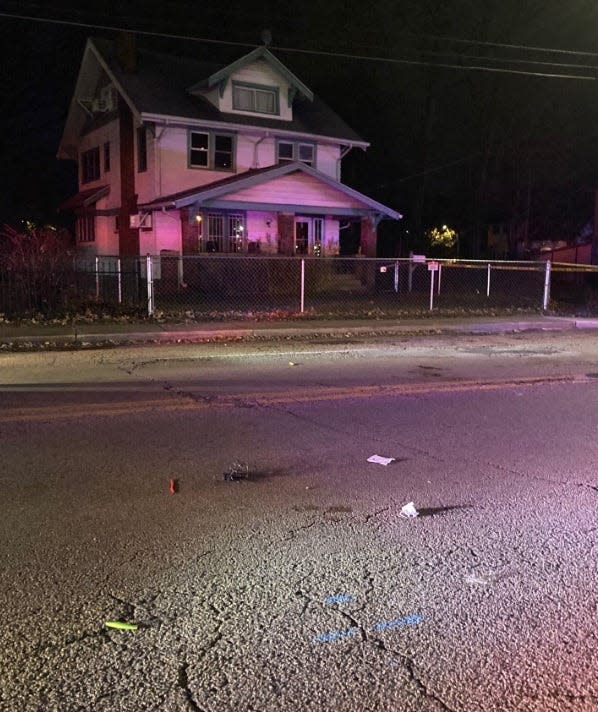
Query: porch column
368	237
189	233
286	233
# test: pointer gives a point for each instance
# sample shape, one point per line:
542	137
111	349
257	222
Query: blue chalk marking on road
336	635
398	622
340	598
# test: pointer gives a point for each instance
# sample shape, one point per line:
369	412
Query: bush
35	269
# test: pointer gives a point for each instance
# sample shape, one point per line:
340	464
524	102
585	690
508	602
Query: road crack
409	665
183	682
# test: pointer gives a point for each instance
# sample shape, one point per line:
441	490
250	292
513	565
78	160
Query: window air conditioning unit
104	102
99	106
140	221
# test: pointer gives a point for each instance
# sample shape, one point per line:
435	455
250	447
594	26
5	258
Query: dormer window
255	98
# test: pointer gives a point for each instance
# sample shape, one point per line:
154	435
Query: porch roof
85	198
214	194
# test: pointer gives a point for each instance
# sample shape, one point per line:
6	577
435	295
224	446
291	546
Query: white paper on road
482	580
409	510
379	460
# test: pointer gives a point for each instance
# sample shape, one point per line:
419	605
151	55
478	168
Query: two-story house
180	156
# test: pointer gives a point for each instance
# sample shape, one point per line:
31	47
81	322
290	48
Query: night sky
448	145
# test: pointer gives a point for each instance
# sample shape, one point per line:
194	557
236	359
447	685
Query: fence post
432	271
488	281
97	278
546	297
439	276
302	285
150	285
119	281
397	276
410	282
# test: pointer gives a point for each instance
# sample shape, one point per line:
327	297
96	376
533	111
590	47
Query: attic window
255	98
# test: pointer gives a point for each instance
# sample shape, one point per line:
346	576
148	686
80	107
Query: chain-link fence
215	287
227	286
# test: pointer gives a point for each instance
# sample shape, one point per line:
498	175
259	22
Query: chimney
126	51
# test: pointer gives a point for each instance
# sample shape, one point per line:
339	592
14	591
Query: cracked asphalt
301	587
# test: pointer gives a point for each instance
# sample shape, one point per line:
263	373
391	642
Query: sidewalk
110	334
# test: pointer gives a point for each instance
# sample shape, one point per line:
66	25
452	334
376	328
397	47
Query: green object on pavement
121	626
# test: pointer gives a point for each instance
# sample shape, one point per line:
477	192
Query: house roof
160	87
85	198
263	53
207	195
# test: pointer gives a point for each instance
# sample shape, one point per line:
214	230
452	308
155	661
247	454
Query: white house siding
171	165
97	138
248	149
328	160
331	236
106	242
167	231
145	186
296	189
260	232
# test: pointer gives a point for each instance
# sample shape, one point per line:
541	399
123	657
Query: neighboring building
178	156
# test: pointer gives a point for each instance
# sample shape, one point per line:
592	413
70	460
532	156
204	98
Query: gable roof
159	91
219	189
253	56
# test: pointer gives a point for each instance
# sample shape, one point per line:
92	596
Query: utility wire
503	45
441	38
510	60
338	55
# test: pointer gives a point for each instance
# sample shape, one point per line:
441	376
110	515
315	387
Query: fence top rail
572	267
529	265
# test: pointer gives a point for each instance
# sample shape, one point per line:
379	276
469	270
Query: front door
301	237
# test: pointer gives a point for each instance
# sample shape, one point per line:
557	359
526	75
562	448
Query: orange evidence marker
172	486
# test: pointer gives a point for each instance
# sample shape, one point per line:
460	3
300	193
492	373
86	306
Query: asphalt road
301	587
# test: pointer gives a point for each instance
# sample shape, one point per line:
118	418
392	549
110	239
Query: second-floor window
107	157
211	150
141	149
256	98
288	151
90	165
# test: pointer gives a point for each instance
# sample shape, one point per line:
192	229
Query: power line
511	60
337	55
503	45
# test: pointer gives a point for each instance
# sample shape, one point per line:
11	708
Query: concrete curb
204	335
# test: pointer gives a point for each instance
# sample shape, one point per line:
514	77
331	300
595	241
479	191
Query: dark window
90	165
259	99
85	228
302	152
306	153
221	232
207	150
285	151
223	152
107	157
141	149
199	152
